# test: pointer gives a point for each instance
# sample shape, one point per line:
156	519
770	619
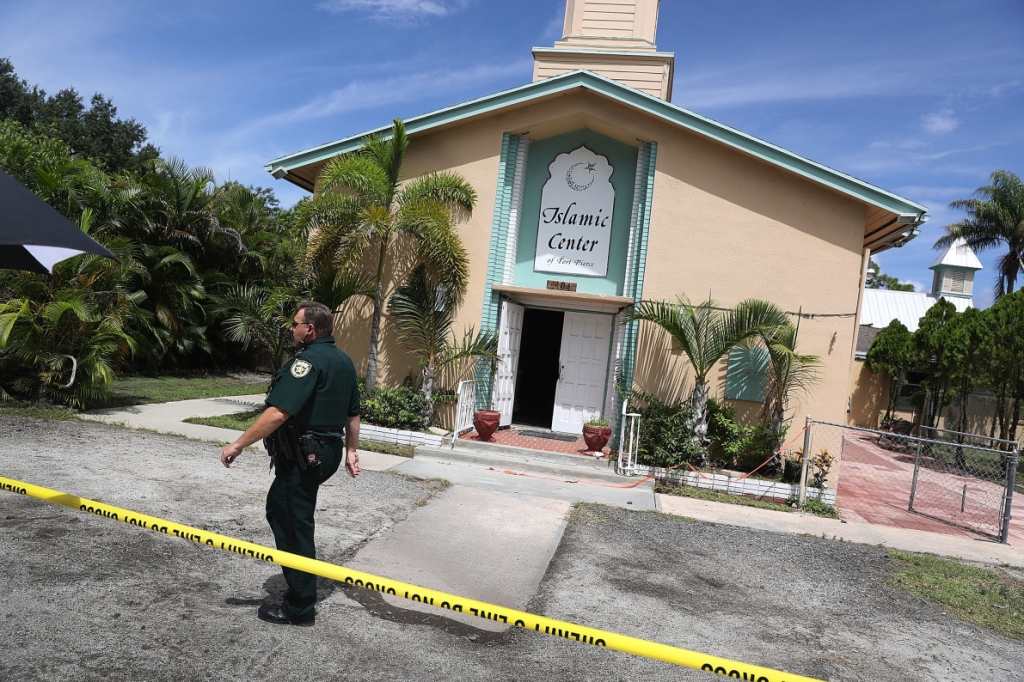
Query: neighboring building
953	280
596	191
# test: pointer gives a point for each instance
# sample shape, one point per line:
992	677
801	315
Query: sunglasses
296	324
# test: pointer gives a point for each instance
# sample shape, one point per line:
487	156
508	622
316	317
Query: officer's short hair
320	316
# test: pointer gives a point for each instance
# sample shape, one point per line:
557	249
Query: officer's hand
352	464
230	453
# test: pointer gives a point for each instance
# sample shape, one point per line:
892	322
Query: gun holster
286	444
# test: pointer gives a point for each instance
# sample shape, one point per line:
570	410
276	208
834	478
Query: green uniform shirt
318	388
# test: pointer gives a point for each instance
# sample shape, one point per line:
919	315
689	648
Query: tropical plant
363	210
740	447
789	373
994	218
705	333
890	354
666	438
68	334
397	408
422	312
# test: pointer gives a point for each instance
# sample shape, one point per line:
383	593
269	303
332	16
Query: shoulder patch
300	368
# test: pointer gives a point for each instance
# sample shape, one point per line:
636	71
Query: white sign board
575	227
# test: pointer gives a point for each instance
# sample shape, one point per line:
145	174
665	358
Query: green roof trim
587	80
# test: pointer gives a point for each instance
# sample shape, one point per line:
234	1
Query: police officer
316	389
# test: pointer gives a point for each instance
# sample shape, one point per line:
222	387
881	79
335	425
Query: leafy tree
935	355
422	312
363	209
1005	351
883	281
705	334
92	132
968	350
993	219
891	354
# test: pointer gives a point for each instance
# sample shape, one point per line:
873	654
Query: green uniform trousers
291	502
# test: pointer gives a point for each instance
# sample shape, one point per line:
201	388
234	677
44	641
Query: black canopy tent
34	236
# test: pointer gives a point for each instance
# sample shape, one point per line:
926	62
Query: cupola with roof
954	271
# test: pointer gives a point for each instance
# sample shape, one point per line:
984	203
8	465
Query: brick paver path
875	482
515	438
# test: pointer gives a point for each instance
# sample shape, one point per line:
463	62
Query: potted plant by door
596	433
486	423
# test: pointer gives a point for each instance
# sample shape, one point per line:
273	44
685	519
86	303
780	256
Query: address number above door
575	226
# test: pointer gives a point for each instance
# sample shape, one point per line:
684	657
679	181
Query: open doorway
537	375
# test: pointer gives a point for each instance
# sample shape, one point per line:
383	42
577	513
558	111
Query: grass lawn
991	598
240	421
715	496
140	390
38	410
813	506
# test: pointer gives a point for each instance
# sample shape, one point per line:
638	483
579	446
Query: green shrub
666	433
397	408
819	508
741	447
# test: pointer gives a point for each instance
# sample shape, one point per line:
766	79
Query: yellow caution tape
501	614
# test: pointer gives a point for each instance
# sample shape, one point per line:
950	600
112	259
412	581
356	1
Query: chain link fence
963	480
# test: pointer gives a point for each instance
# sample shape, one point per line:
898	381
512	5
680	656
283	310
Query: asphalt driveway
85	598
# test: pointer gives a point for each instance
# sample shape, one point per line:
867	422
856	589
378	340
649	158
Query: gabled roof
589	81
958	255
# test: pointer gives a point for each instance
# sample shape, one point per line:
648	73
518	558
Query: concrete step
568	467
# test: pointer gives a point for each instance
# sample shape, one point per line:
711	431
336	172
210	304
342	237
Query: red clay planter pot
596	437
486	423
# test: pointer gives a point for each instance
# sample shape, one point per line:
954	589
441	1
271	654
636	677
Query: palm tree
362	208
993	219
788	373
422	311
705	333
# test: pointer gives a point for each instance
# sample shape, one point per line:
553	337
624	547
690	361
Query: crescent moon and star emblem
573	184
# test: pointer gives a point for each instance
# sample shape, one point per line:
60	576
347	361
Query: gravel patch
809	605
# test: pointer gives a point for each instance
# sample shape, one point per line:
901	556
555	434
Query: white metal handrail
629	441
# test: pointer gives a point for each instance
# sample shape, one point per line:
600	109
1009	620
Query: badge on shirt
300	368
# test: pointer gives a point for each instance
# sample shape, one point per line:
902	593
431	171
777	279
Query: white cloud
940	122
361	94
400	11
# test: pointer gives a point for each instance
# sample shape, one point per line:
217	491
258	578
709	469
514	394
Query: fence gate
963	480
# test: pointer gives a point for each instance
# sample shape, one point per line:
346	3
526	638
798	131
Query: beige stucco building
589	179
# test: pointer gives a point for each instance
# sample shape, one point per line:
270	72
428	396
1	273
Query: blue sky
924	99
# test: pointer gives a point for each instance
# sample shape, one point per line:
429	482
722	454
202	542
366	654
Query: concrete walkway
539	482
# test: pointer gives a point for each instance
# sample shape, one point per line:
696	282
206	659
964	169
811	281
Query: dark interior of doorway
537	375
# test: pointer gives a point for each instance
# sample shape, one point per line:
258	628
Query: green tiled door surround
522	172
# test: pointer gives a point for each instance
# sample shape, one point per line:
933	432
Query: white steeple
614	38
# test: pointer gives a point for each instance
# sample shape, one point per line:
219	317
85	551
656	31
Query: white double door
583	370
582	363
